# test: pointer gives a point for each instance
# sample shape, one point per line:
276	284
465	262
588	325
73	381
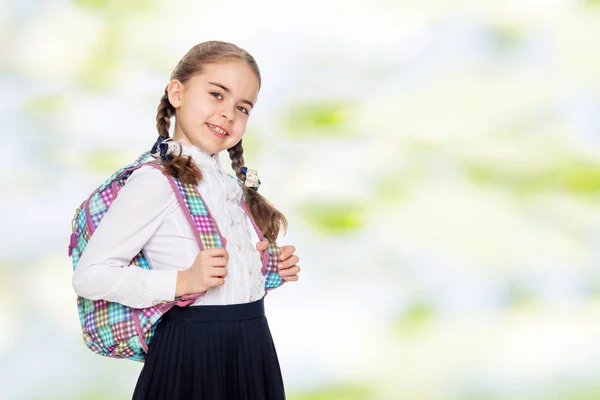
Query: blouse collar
200	156
211	162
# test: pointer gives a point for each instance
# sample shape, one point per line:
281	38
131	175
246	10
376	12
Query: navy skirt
212	352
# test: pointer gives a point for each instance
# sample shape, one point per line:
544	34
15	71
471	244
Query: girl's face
212	108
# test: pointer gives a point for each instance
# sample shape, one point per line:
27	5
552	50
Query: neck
179	136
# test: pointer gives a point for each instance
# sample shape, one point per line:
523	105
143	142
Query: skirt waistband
233	312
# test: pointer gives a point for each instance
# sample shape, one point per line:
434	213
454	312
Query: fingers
292	278
285	252
216	252
220	272
293	260
262	245
218	261
295	270
217	277
212	282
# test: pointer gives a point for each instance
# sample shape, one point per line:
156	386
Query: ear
175	89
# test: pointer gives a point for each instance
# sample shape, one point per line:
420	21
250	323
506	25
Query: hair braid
163	115
236	153
181	167
268	218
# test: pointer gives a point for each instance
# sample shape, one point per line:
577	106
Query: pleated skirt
212	352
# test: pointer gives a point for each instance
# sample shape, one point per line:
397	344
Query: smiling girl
220	347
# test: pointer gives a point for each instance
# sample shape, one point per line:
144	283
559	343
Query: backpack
113	329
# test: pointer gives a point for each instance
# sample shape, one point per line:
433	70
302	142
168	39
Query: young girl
221	346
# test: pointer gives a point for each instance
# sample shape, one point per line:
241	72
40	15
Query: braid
163	115
236	153
268	218
181	167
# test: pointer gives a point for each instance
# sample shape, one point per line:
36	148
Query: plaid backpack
115	330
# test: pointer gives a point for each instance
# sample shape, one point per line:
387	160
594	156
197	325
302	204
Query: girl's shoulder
148	183
148	174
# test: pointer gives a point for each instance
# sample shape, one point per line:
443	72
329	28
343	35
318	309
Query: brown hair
267	217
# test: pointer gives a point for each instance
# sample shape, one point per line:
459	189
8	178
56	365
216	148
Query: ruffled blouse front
222	193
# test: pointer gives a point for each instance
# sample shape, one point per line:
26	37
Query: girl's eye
243	109
217	95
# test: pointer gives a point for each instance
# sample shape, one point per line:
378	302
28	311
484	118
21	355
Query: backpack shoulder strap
197	213
270	258
208	233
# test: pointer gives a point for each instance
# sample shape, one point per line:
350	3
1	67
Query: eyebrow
227	90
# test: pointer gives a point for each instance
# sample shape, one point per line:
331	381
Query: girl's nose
227	113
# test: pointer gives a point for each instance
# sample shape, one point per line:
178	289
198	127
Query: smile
218	130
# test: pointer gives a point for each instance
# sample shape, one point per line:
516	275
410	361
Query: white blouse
147	216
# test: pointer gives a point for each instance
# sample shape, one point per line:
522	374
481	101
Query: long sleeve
133	218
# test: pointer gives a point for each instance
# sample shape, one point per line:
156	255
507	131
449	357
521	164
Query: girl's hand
288	262
208	270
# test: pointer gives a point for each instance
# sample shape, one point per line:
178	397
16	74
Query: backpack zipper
74	221
73	240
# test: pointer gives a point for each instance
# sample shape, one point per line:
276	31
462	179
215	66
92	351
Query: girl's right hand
207	271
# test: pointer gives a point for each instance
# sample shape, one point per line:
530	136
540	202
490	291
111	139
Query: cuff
161	286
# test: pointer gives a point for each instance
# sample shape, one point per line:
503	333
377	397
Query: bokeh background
439	163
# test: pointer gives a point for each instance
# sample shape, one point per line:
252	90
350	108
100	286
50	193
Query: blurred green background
438	161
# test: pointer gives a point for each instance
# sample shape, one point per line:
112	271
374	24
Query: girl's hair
267	217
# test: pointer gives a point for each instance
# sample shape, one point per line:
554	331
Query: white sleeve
102	271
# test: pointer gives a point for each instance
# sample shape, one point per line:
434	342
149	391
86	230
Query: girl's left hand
288	262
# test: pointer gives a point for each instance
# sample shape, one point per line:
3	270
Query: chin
217	148
213	147
225	146
205	146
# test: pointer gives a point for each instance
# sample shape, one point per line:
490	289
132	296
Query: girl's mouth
217	130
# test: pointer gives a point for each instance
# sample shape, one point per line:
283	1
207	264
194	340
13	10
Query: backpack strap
207	234
197	213
270	257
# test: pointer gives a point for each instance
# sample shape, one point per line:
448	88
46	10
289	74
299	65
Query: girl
221	347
